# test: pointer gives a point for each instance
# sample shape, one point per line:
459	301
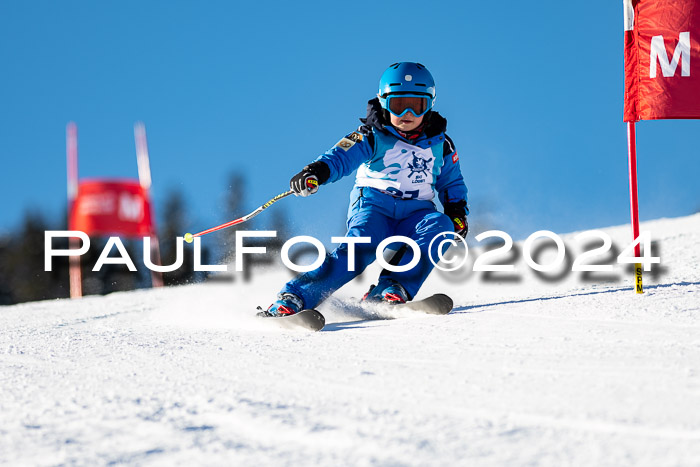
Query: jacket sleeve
450	183
347	155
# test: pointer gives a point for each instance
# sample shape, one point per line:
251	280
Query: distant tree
275	219
235	207
280	224
173	226
22	275
5	290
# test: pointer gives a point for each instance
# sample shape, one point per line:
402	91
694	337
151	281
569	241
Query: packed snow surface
524	371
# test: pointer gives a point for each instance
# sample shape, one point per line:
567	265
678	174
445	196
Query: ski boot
388	291
286	304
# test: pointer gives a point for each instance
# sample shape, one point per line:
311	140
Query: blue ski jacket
396	165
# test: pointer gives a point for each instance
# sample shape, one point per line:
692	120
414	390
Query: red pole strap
634	202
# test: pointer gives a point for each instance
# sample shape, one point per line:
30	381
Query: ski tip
449	303
438	304
310	320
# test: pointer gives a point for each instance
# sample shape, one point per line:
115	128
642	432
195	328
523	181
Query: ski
310	320
313	320
438	304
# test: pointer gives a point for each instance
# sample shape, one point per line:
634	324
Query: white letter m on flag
681	53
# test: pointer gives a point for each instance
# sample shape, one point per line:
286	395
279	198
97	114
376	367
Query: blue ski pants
376	215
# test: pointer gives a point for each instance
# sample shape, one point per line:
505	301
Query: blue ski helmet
407	79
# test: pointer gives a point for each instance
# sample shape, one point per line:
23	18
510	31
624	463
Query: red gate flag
106	207
662	45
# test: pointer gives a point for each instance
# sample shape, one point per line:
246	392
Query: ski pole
189	238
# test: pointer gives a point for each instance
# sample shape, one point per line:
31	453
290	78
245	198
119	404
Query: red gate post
144	167
76	285
634	202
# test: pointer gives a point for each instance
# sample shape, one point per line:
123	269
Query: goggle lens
399	105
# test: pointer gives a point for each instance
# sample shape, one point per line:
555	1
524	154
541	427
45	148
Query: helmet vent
407	78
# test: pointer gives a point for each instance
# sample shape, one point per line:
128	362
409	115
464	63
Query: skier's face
407	122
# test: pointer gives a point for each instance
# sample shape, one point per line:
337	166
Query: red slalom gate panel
112	207
662	40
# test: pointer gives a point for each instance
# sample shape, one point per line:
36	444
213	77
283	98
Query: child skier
402	155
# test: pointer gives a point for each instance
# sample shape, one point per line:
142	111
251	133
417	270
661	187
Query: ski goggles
399	104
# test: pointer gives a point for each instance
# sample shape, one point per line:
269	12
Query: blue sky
532	93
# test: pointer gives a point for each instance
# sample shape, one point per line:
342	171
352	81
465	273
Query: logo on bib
419	167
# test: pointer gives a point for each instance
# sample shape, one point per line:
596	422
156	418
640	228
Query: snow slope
523	372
